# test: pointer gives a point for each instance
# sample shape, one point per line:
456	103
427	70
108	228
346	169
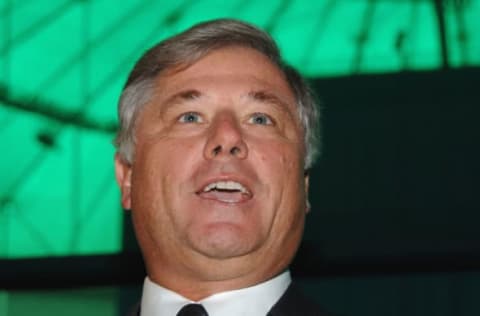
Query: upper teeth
225	185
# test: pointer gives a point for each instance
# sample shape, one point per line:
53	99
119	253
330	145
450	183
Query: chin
225	240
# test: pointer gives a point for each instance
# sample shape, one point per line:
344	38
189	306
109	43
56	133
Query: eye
260	119
190	117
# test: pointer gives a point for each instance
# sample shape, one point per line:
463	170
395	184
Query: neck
197	288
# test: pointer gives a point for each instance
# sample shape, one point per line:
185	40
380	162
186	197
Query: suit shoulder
295	302
134	310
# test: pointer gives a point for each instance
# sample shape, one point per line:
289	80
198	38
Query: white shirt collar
256	300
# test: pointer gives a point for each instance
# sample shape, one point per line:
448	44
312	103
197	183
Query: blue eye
190	117
260	119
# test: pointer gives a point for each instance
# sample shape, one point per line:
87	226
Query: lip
236	197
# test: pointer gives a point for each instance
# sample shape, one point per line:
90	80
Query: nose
225	139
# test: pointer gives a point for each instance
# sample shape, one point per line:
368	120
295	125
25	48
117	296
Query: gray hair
185	49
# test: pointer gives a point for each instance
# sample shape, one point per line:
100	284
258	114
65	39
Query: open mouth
225	191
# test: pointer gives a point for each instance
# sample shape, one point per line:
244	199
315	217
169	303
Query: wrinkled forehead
183	62
228	64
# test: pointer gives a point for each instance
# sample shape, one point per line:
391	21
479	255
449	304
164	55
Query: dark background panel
399	171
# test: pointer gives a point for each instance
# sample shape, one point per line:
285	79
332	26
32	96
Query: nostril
217	150
235	150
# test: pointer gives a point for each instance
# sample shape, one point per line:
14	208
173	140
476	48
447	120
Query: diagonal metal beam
18	5
54	112
279	11
114	27
120	69
37	26
322	20
36	234
175	15
462	34
442	34
404	35
363	36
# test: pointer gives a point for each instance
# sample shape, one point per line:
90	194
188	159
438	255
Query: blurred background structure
394	226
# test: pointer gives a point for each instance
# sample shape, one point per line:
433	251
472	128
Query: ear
123	174
307	185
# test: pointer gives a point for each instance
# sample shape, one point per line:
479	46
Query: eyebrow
261	96
182	96
269	98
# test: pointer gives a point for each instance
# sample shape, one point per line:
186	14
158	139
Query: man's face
217	185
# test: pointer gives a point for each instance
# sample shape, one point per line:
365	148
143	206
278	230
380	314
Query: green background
398	177
63	63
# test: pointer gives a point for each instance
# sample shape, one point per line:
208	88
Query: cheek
154	169
279	157
280	165
161	182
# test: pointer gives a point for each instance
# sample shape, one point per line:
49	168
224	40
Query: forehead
231	68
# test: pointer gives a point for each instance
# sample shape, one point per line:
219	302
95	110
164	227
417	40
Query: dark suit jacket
292	303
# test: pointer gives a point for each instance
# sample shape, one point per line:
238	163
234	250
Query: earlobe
307	185
123	174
